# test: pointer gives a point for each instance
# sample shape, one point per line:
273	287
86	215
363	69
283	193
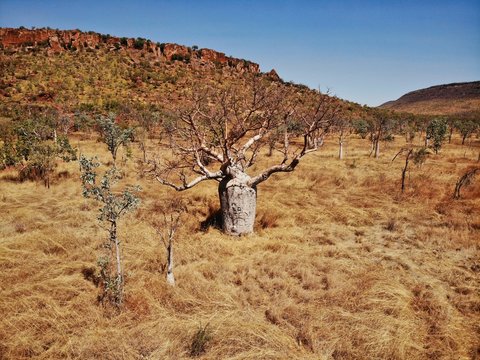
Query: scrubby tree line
33	146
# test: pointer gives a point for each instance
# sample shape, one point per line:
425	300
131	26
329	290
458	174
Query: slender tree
166	228
418	156
381	124
467	124
115	205
114	136
465	180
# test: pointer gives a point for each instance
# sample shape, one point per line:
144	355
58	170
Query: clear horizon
369	52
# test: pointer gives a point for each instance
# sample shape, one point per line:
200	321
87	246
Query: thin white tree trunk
377	148
170	276
340	150
114	239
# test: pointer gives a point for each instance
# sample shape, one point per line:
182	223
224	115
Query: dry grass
342	267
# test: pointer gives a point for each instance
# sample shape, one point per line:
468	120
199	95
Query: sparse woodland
360	226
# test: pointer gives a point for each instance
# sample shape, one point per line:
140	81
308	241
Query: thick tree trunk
238	205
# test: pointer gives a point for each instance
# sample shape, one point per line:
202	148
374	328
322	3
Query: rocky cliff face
57	41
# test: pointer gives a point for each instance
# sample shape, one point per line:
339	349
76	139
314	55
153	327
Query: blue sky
365	51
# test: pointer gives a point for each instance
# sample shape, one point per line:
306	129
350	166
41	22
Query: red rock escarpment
61	40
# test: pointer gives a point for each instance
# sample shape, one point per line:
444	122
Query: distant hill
440	99
74	69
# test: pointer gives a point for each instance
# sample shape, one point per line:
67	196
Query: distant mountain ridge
440	99
58	41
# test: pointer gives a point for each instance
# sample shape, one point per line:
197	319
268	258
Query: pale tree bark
377	142
377	148
340	149
238	206
119	277
170	276
166	228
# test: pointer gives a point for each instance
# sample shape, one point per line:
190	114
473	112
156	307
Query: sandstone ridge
56	41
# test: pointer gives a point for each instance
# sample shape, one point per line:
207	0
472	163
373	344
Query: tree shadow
213	220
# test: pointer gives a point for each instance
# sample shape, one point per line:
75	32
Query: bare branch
192	183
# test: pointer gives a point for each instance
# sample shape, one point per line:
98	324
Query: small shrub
43	44
269	220
391	225
20	228
200	340
437	130
177	57
352	165
139	43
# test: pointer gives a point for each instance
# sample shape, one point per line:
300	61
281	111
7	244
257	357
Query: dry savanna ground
342	266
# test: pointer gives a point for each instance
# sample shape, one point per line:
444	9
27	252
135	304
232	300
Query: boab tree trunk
238	203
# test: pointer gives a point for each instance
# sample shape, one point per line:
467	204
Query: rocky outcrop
55	38
219	58
75	40
272	74
209	55
170	50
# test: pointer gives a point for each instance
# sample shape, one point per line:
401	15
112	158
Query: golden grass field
342	266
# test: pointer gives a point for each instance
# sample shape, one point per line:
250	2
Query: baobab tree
218	134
